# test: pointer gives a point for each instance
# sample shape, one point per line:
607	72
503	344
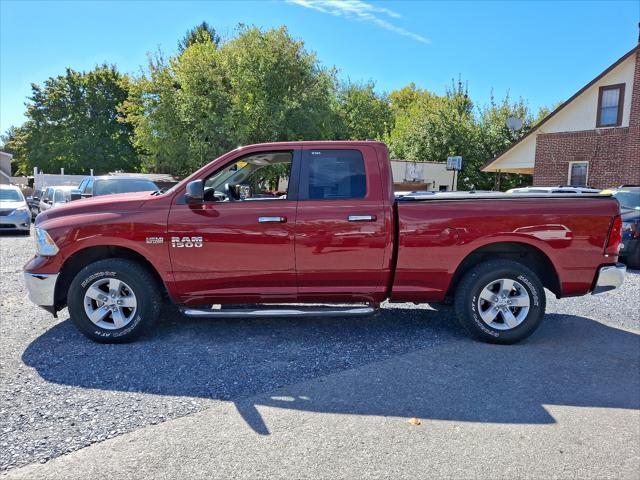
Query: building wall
613	154
5	163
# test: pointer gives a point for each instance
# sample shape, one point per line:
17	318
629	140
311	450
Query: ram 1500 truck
276	229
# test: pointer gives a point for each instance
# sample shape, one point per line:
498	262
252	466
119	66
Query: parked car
56	196
110	184
557	189
317	223
15	215
629	198
34	201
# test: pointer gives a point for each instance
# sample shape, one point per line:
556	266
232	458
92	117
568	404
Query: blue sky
542	51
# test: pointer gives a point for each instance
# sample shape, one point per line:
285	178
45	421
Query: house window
610	101
578	173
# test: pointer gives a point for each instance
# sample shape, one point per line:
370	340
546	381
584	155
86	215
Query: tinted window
88	188
108	187
334	174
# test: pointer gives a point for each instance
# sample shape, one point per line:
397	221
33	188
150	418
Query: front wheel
500	301
113	300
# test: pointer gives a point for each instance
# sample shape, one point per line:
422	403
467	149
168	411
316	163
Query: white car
557	189
15	215
54	196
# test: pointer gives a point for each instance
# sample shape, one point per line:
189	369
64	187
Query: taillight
615	237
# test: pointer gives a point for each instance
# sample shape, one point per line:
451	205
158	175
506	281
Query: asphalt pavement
402	394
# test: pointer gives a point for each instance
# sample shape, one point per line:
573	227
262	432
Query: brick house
591	139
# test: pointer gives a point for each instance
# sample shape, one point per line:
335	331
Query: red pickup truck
276	229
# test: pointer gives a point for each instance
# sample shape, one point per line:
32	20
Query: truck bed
437	232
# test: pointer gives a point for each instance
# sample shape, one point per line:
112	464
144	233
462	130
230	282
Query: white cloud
362	11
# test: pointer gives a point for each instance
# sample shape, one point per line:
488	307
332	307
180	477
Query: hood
106	203
11	205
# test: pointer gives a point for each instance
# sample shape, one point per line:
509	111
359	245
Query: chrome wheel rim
110	303
503	304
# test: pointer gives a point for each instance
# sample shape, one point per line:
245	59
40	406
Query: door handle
362	218
272	219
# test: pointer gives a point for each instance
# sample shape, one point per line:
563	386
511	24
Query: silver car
54	196
14	211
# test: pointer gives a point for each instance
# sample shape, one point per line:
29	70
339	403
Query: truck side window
333	174
260	176
88	188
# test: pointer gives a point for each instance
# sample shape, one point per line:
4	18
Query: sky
541	51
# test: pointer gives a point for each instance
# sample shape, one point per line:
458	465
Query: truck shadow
401	362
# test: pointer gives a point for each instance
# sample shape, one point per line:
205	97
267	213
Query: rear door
340	237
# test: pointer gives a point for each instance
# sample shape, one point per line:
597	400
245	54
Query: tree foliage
261	86
363	114
73	123
202	33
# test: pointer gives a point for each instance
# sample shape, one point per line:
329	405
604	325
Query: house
591	139
432	176
5	167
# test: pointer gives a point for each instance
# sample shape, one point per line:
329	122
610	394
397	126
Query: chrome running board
280	312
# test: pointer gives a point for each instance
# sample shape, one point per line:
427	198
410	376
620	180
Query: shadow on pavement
401	362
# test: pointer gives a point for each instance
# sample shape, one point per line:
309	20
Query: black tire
469	304
137	278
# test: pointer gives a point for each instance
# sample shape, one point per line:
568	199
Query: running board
280	312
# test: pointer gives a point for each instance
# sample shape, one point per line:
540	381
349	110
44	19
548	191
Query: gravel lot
60	392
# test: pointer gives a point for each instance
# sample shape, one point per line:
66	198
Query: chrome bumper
42	288
609	278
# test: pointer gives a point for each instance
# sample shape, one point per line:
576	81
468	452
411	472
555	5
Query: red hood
106	203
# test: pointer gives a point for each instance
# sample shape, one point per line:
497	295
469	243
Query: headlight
45	246
21	210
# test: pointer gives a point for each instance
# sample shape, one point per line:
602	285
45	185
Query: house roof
561	106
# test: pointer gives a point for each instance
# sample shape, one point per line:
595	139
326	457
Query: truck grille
5	212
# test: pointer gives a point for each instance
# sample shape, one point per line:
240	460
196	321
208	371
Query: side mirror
75	195
195	192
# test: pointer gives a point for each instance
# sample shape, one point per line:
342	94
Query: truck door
238	245
341	228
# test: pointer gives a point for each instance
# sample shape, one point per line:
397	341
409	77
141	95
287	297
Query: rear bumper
42	289
609	277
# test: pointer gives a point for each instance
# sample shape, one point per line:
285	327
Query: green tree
202	33
13	142
261	86
363	114
73	123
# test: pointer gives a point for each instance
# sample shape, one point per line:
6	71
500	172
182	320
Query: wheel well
84	257
528	255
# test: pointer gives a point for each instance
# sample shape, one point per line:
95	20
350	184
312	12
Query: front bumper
42	289
609	277
16	221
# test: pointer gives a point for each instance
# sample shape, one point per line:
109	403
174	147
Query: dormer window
610	101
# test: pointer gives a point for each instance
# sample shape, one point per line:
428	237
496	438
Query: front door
238	245
341	232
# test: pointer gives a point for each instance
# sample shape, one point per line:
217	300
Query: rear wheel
500	301
113	300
